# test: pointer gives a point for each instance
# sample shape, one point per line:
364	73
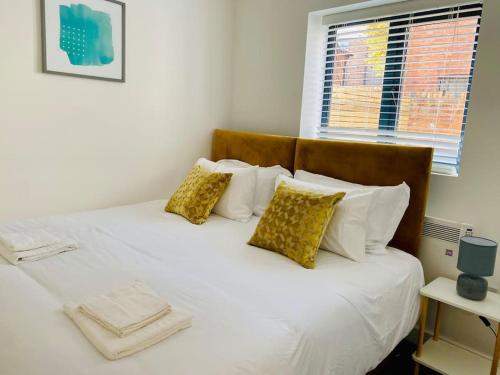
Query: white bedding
254	311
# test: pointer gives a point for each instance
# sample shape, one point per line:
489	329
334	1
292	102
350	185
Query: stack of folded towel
32	245
126	320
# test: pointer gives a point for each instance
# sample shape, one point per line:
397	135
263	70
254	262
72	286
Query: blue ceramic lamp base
472	287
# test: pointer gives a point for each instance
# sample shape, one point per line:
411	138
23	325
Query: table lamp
476	259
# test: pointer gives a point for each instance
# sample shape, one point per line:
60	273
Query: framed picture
84	38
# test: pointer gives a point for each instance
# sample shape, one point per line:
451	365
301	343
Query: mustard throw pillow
198	194
294	223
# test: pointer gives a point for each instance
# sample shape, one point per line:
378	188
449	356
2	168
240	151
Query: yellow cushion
294	223
198	194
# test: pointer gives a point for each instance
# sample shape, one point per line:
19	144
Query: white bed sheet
255	312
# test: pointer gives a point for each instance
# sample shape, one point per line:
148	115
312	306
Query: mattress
254	311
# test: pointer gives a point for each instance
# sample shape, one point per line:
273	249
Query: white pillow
388	206
346	232
266	178
237	201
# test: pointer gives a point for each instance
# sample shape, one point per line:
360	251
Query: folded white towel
29	240
114	347
37	254
126	309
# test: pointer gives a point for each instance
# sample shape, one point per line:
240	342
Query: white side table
447	358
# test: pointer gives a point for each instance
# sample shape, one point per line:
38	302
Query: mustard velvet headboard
362	163
257	149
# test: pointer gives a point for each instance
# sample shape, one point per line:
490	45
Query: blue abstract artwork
86	35
84	38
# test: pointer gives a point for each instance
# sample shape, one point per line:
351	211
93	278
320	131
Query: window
402	79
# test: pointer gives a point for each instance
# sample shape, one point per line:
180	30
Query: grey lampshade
477	256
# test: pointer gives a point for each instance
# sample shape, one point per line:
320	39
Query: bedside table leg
496	354
424	302
416	371
437	324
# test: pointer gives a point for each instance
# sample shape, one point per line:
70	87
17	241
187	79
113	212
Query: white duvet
254	311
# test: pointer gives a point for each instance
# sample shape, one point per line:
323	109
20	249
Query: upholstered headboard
375	164
363	163
256	149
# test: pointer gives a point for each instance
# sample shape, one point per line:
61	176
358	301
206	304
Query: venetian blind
402	79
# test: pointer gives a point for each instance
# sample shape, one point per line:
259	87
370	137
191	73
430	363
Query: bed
255	312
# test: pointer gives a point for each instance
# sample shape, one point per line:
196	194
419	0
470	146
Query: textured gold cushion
294	223
198	194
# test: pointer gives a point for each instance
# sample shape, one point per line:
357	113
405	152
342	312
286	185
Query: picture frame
84	38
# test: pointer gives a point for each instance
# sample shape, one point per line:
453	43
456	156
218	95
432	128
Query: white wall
270	42
70	144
